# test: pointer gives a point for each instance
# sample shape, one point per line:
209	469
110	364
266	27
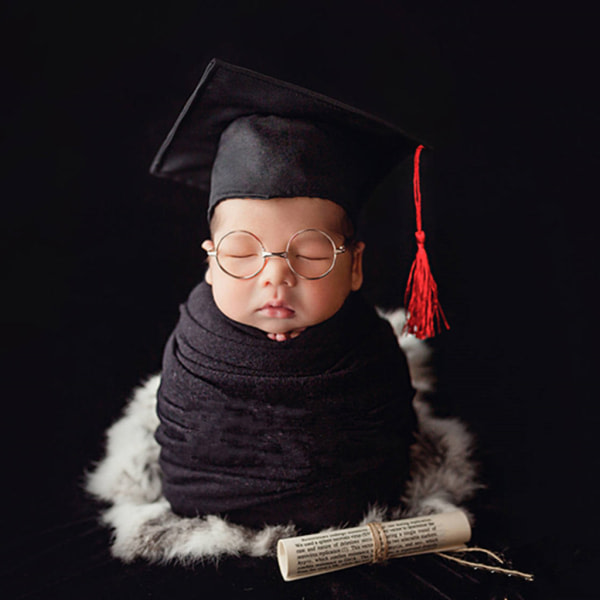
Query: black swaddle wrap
310	430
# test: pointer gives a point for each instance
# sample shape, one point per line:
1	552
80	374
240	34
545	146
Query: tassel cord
425	315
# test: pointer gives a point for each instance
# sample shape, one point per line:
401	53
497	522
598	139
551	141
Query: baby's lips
277	311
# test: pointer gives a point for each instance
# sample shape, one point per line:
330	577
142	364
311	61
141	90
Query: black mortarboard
243	134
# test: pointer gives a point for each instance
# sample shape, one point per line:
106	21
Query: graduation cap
243	134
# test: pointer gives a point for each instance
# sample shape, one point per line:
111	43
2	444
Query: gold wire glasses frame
244	255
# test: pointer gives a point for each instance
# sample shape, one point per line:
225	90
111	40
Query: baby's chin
279	330
279	326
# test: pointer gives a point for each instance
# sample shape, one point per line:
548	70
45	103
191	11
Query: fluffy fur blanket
443	477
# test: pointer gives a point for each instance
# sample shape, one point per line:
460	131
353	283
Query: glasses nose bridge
267	255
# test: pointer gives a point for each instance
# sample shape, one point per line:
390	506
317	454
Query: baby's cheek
230	300
325	302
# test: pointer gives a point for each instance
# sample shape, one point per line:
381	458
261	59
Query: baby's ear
208	245
357	269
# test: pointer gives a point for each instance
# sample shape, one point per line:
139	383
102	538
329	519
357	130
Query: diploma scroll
319	553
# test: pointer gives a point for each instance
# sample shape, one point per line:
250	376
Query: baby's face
276	300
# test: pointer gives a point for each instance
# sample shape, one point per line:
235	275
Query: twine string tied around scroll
380	542
381	551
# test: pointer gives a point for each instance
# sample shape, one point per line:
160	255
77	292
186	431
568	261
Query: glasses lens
239	254
311	253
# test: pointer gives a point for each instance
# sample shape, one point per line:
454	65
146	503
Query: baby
284	397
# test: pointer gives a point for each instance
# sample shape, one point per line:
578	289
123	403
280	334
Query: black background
99	254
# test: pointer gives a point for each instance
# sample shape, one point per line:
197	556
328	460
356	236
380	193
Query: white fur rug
443	477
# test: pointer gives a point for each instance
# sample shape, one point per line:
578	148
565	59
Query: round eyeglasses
310	254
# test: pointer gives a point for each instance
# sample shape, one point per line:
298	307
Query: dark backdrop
99	254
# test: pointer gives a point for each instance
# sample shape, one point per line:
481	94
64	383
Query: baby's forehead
283	215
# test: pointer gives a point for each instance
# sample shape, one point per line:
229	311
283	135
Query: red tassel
425	317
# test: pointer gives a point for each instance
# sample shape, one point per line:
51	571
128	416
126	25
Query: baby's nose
277	272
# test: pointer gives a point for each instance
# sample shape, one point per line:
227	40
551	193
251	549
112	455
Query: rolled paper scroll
315	554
